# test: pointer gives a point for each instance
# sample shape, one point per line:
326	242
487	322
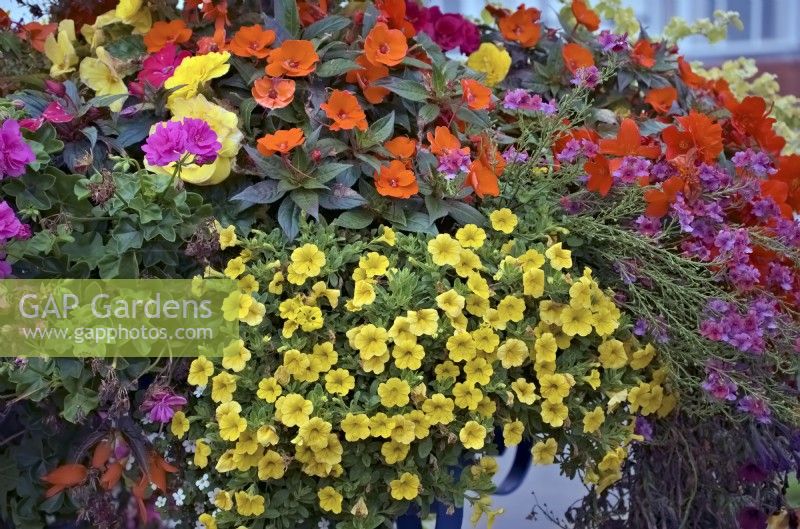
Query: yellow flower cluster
440	341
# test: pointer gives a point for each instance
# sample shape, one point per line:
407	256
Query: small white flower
130	462
323	524
198	391
203	482
161	501
188	446
199	525
213	494
178	496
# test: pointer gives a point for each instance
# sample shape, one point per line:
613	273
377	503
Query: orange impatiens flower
628	143
789	173
36	33
691	79
750	117
311	12
644	54
295	58
483	180
401	147
585	15
345	111
659	200
576	56
396	180
699	133
600	178
252	41
522	26
64	477
273	92
282	141
163	33
475	95
443	140
394	12
385	46
365	76
661	99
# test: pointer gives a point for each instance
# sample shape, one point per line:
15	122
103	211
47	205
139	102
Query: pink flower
158	67
161	404
15	154
55	113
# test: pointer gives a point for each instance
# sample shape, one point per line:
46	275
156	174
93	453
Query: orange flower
396	180
789	173
273	92
252	41
365	76
644	54
661	99
688	76
628	143
311	12
283	141
576	56
163	33
475	95
705	135
522	26
36	33
101	454
394	12
659	200
442	140
750	117
295	58
483	180
385	46
599	172
678	143
401	147
112	475
345	111
64	477
585	16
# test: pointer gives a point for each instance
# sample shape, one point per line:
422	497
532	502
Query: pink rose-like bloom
162	404
158	67
15	154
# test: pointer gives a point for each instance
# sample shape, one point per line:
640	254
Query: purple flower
587	77
751	518
453	162
756	407
648	226
170	141
511	155
643	427
10	225
449	31
161	404
5	269
758	163
752	472
719	386
612	42
632	169
15	154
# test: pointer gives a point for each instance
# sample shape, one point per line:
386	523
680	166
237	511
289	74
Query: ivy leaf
357	219
287	16
330	25
334	67
405	88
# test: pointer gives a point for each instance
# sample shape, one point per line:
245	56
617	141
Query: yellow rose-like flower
179	425
199	371
503	220
560	258
544	452
193	72
404	488
492	61
593	420
100	74
472	435
330	500
61	50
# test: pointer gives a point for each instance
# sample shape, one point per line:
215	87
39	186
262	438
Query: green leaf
307	200
334	67
246	112
329	171
330	25
357	219
464	213
265	192
287	16
78	405
405	88
289	218
427	113
380	131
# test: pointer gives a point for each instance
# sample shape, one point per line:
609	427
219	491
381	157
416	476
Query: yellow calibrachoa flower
544	452
472	435
293	410
612	354
423	322
512	433
179	425
406	487
339	382
641	358
201	453
512	353
554	413
227	236
208	521
491	60
199	371
524	390
356	427
503	220
560	258
308	260
593	420
100	74
451	302
60	49
222	387
471	236
439	409
230	426
374	264
394	392
193	72
554	386
249	504
235	356
444	250
269	389
330	500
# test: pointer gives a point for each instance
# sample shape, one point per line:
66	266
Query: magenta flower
449	31
10	225
15	154
588	77
452	162
161	404
55	113
158	67
171	141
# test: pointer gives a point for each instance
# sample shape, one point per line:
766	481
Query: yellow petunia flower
471	236
394	392
100	74
404	488
472	435
199	371
593	420
179	425
444	250
503	220
560	258
330	500
544	452
60	49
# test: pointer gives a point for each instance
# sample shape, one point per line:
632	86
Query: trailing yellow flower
100	74
492	61
179	424
199	371
503	220
544	452
330	500
593	420
134	13
406	487
560	258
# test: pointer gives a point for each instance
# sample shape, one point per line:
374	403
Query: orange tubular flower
64	477
345	111
599	172
522	26
163	33
273	92
585	16
475	95
396	180
576	56
628	142
644	54
385	46
401	147
252	41
661	99
365	76
442	140
283	141
295	58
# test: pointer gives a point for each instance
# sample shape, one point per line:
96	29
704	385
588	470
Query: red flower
789	173
576	56
442	140
629	142
688	76
750	117
365	76
661	99
644	54
522	26
659	200
599	172
394	11
678	143
585	16
706	135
